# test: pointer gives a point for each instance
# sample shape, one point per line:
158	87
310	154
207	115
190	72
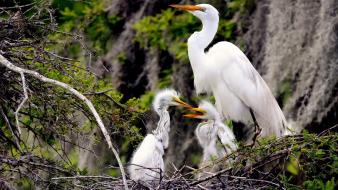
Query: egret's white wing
242	79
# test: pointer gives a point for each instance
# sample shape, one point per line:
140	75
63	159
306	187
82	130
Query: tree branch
40	77
24	87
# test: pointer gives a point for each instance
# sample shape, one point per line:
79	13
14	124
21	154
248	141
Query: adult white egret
240	92
212	131
147	161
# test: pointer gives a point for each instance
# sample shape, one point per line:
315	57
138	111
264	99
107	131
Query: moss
25	183
122	58
285	91
196	159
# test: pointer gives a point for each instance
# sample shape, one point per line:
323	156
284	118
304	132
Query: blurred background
119	53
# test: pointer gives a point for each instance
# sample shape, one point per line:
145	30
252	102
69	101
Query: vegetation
169	31
61	39
51	116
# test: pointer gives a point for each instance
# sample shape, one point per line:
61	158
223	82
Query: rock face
294	44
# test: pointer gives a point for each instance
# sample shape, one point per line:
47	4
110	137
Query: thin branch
40	77
83	177
10	128
18	6
328	130
98	93
24	87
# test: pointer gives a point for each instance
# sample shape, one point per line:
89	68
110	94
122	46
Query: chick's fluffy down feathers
147	161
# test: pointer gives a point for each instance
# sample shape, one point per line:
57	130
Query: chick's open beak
199	112
183	104
187	7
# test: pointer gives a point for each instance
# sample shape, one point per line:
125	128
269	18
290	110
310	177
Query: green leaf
292	166
330	184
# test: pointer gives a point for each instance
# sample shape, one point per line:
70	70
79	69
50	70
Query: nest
265	166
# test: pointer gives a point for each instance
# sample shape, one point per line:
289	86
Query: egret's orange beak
183	104
187	7
200	112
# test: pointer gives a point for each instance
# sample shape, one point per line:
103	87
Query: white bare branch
23	80
40	77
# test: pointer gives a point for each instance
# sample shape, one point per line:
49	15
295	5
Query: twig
327	130
267	160
58	56
23	80
19	6
10	128
83	177
200	186
40	77
207	178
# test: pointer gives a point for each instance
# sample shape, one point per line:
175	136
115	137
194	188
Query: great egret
240	92
211	131
147	161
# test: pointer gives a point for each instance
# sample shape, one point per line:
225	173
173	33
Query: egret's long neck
200	40
163	127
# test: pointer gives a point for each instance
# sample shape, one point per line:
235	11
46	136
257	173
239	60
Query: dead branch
24	87
65	86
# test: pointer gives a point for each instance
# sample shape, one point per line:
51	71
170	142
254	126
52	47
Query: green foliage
318	184
89	18
52	116
292	166
146	100
25	184
305	161
122	58
286	91
169	31
196	158
242	6
166	31
165	80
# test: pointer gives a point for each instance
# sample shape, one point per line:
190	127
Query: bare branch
40	77
81	176
24	87
10	128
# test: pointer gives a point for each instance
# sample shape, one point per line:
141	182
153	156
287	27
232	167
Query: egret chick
211	131
147	161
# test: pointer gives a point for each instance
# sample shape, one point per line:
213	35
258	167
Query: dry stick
82	177
327	130
35	74
24	87
234	177
10	128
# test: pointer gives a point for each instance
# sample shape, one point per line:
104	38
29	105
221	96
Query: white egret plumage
240	92
211	131
147	161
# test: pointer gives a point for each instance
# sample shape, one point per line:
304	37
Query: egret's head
166	98
205	110
201	11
